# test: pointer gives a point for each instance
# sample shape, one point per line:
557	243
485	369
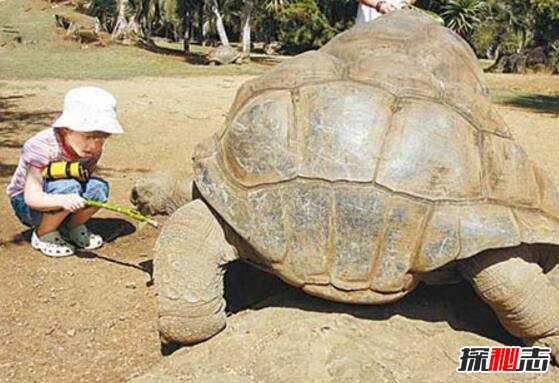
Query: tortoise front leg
524	299
190	255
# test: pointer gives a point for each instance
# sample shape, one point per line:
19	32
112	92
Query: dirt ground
92	317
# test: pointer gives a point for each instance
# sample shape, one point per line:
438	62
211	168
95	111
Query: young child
56	209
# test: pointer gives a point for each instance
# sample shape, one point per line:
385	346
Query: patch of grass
33	20
535	102
106	63
50	57
177	47
485	63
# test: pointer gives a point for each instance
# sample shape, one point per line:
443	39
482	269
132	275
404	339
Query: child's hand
383	7
72	202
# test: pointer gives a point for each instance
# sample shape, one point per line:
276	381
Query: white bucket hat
88	109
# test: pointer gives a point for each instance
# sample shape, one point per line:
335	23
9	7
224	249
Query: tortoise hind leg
522	296
188	270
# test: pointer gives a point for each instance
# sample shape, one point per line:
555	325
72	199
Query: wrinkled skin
161	193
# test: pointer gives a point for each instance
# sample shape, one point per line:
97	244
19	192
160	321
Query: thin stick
123	210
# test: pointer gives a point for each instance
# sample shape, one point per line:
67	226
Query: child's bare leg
81	216
50	222
95	189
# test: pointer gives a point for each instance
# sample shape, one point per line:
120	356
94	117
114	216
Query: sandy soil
92	317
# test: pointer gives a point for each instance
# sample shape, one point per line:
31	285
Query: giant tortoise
357	171
224	55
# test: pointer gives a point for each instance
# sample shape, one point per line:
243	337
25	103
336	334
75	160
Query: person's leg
50	222
27	216
95	189
81	216
45	237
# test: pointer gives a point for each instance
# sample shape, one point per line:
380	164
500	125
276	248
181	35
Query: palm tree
275	5
462	15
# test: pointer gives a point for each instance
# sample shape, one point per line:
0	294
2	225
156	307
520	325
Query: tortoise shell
355	168
224	55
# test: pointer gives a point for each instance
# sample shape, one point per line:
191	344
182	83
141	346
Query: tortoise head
161	192
150	196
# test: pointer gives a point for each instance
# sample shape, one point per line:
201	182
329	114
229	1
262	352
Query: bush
302	26
484	39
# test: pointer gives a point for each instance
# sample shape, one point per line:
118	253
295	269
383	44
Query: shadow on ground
457	304
17	124
190	58
109	228
535	103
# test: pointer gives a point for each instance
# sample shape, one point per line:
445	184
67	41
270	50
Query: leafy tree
432	5
509	26
546	24
302	26
490	26
266	22
340	13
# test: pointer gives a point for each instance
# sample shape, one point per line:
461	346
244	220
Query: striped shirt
43	148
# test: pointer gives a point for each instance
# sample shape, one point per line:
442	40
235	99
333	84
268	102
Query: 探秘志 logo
504	359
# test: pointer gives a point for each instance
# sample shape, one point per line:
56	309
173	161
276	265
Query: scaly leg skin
523	297
190	255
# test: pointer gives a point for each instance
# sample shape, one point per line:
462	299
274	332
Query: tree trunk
187	30
205	30
247	11
138	25
125	28
121	25
219	23
201	21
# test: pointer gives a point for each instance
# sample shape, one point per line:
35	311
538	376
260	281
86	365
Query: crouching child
56	208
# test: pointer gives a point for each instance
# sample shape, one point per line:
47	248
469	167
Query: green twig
123	210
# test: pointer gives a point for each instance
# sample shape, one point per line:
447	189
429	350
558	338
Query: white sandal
83	238
52	245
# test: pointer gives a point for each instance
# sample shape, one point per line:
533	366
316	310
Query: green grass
33	19
486	63
48	56
547	103
106	63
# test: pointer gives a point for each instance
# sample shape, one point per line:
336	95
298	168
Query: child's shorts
95	189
